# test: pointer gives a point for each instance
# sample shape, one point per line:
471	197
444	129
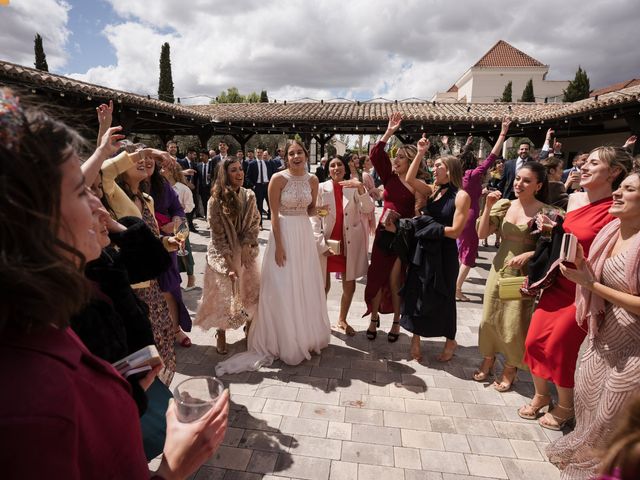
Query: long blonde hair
454	167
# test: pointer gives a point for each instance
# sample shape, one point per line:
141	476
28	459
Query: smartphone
491	189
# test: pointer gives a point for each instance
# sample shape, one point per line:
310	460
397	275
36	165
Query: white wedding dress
292	320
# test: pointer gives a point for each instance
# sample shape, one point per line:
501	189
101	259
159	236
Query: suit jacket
202	184
253	171
508	176
216	162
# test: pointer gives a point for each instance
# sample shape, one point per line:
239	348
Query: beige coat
356	239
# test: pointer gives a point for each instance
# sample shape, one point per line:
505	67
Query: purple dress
168	204
472	184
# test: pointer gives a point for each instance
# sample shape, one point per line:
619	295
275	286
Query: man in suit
205	173
278	163
188	165
223	148
511	167
259	173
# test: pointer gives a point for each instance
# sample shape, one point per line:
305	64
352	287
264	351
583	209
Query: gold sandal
535	411
560	422
505	385
483	374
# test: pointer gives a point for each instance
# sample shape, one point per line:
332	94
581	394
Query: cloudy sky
326	49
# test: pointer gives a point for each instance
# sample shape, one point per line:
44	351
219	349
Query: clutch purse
238	316
509	287
335	246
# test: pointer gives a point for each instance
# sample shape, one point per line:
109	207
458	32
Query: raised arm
412	173
105	117
485	228
488	162
395	120
107	147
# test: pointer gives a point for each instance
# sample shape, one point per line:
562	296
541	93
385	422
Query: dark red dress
337	263
396	197
554	337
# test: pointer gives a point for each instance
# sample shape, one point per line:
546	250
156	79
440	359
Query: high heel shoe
529	412
461	297
558	422
393	337
416	354
485	370
221	343
505	385
371	335
448	353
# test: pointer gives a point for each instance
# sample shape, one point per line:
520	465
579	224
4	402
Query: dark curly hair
40	285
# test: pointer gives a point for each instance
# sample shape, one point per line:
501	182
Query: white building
484	82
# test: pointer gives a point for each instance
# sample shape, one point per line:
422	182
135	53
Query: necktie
206	173
260	176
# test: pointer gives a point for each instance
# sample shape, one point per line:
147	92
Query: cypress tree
41	57
527	93
263	97
578	88
165	85
507	94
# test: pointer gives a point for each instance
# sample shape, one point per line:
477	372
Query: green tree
253	97
527	93
507	93
578	88
41	57
230	96
263	97
165	85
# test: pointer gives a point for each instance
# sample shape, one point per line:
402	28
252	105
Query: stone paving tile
326	372
343	470
442	424
233	436
262	462
304	426
488	397
445	462
257	421
428	407
414	421
483	411
322	412
475	426
277	392
282	407
454	442
301	381
497	447
209	473
385	403
236	475
316	447
376	434
251	404
375	472
463	396
230	458
453	410
339	431
520	431
318	396
407	458
439	394
484	466
526	469
308	468
363	416
367	453
526	450
421	475
422	439
265	441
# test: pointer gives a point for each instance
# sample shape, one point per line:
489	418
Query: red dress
554	337
338	263
396	197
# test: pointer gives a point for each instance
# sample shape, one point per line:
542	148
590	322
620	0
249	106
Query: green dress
505	323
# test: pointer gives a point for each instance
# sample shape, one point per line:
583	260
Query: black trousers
261	191
204	196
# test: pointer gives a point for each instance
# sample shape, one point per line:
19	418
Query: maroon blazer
64	413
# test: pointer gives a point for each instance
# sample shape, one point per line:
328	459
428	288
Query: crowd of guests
103	242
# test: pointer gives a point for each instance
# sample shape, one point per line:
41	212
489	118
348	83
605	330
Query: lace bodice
296	194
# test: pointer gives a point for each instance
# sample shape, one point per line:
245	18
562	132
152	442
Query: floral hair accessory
11	119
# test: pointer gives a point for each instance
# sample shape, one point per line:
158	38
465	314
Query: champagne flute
322	211
181	232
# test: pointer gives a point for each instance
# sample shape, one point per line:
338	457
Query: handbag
509	287
335	246
238	316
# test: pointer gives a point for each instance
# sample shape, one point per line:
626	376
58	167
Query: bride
292	320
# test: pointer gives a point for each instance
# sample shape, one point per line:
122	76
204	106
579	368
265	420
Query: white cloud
21	20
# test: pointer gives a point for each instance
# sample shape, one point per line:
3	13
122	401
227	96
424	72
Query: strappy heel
393	337
482	374
371	335
221	343
505	385
534	412
560	422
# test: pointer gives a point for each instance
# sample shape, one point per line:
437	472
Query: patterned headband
11	120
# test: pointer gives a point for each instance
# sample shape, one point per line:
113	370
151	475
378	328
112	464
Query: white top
185	196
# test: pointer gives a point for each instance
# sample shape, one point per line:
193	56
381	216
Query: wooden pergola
613	112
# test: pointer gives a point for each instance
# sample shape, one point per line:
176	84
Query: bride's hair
222	191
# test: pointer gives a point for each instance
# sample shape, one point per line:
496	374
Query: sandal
185	342
221	344
485	370
393	337
346	328
461	297
505	385
529	412
371	335
558	422
447	353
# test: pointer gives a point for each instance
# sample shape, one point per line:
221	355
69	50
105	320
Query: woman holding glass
554	338
505	322
231	276
342	235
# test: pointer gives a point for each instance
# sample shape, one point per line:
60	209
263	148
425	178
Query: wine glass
549	217
181	232
322	211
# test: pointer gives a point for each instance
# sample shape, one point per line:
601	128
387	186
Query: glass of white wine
181	232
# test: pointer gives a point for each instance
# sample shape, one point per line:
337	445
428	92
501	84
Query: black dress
428	295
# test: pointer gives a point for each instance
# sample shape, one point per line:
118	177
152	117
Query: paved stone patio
364	410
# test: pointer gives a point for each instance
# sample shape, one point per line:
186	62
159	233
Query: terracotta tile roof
26	77
616	86
453	88
504	55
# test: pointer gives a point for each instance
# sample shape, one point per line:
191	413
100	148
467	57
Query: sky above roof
326	49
